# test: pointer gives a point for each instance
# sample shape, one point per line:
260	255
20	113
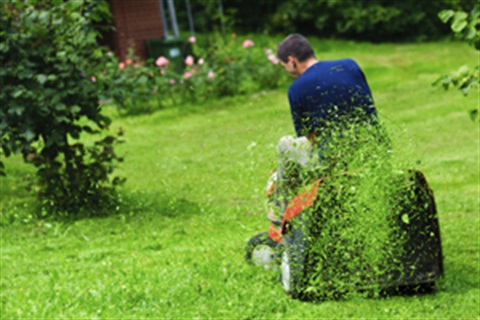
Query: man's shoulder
344	61
298	85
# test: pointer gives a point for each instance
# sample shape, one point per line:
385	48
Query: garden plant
219	66
466	27
50	97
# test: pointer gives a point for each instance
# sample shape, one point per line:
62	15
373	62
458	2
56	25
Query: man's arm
295	109
311	137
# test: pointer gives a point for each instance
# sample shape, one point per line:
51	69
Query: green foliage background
373	20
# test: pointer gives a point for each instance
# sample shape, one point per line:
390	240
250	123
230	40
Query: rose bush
222	66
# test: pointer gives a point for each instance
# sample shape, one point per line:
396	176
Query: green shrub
465	27
240	65
374	20
51	88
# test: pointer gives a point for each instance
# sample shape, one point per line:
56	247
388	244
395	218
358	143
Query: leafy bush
222	66
241	66
465	27
375	20
50	97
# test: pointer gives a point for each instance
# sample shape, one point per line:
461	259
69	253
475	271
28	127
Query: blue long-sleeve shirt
327	90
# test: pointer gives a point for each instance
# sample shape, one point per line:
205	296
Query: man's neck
302	67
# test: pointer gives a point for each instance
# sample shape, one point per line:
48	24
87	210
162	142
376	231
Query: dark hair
297	46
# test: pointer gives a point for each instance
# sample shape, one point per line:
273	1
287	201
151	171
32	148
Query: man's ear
293	61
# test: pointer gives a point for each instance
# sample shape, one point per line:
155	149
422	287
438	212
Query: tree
465	27
50	97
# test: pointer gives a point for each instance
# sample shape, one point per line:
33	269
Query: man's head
294	50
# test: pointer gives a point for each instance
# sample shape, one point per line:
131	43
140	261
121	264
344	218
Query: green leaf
445	15
459	21
459	25
17	93
3	47
18	110
98	53
60	107
43	15
41	78
29	135
471	32
75	109
61	119
142	80
460	15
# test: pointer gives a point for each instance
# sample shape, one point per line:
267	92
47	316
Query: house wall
135	21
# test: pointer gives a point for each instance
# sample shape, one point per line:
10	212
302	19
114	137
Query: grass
195	195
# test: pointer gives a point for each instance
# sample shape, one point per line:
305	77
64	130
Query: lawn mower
415	262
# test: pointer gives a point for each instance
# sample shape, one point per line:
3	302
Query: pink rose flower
128	61
93	79
189	61
187	75
162	62
273	59
162	72
201	61
211	74
247	43
121	65
172	81
192	39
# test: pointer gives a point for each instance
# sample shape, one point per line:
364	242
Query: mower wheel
292	255
261	250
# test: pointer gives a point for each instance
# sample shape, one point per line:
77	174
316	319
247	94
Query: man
324	92
330	102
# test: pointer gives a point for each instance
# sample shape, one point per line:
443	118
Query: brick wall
135	21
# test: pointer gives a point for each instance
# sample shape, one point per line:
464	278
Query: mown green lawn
195	195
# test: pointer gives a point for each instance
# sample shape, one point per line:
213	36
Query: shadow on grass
162	204
127	204
460	277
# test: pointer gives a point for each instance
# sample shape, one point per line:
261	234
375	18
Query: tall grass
173	248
